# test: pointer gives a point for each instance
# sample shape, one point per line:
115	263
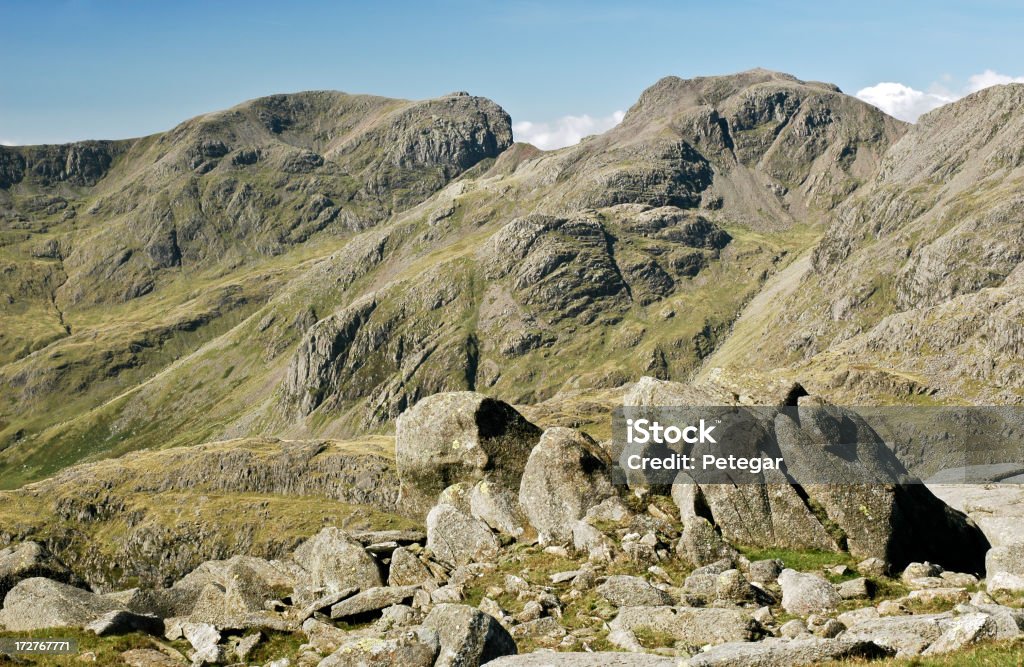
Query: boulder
413	649
855	589
906	635
566	474
804	594
625	591
37	603
406	569
456	538
696	626
26	560
468	636
498	507
962	631
335	561
596	659
1004	567
455	437
372	600
786	653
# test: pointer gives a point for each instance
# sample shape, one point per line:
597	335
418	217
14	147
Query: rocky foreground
531	556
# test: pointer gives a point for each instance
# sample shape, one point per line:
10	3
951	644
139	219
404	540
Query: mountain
312	264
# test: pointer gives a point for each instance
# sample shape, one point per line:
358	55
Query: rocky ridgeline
529	547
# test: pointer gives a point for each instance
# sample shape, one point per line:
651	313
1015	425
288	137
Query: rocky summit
327	379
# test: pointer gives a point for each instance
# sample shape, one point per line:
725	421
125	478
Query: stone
566	474
692	625
962	631
855	589
562	577
892	608
1004	568
794	628
412	649
950	595
546	627
855	616
732	586
245	645
324	637
37	603
787	653
459	437
906	635
147	657
337	562
456	538
804	594
591	541
873	567
372	600
497	507
919	571
468	637
406	569
765	571
626	591
29	559
595	659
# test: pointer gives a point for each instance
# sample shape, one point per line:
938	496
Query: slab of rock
336	561
1004	567
855	589
566	474
371	600
37	603
468	636
413	649
692	625
962	631
906	635
456	538
786	653
26	560
596	659
147	657
458	436
626	591
804	594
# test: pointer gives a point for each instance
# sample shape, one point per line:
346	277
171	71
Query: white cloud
7	142
989	78
906	103
565	131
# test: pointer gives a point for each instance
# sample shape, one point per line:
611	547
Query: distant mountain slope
305	265
914	293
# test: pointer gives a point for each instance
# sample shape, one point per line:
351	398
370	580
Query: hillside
301	265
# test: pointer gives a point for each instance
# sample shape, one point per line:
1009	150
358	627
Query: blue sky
107	69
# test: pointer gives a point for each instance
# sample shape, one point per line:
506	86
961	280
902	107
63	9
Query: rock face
459	437
38	603
567	473
468	637
336	561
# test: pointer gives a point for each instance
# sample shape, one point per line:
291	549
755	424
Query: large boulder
26	560
416	649
459	539
787	653
1004	568
694	626
458	437
804	594
567	474
626	591
336	561
468	636
38	603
